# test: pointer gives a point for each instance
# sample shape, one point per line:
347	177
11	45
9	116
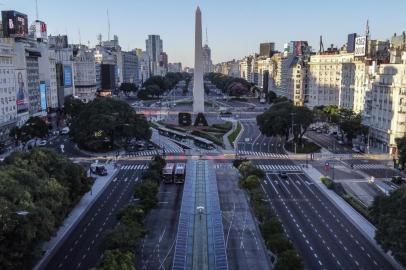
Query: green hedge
234	134
327	182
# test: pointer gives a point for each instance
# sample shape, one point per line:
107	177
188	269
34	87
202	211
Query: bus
167	172
180	172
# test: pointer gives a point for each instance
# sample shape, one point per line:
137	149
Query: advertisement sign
59	42
40	30
42	93
67	76
360	46
22	92
15	24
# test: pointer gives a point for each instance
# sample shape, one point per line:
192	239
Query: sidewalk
76	214
364	226
227	144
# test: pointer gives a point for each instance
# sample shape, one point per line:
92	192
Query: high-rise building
84	70
266	49
163	60
207	63
130	67
12	92
175	67
154	48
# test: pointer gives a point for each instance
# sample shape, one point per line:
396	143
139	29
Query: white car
42	143
65	131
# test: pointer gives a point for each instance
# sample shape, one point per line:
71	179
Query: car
313	128
319	130
340	142
42	143
151	147
356	149
283	175
65	131
98	169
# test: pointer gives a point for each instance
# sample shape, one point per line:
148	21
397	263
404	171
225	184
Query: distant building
14	91
154	48
175	67
207	63
130	67
84	70
266	49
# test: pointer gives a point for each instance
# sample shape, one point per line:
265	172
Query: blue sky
235	27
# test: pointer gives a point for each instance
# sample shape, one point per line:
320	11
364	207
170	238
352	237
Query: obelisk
198	88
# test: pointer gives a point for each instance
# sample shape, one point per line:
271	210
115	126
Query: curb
47	255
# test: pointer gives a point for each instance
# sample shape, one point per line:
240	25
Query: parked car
340	142
356	149
319	130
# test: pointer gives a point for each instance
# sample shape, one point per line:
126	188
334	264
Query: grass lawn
305	148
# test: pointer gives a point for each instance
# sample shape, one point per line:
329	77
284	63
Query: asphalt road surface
324	237
80	249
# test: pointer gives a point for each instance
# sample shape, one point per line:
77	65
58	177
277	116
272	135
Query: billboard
15	24
22	92
42	93
360	46
59	42
67	76
40	30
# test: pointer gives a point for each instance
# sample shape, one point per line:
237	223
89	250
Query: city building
106	70
154	48
266	49
387	113
12	93
207	63
175	67
84	73
130	67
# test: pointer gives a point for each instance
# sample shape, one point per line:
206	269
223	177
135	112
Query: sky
235	27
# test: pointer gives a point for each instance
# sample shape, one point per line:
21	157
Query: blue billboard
67	76
42	93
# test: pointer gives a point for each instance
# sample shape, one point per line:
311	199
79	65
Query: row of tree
104	123
270	226
119	244
156	86
230	85
284	119
37	191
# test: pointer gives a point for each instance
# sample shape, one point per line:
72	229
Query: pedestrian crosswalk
154	152
369	166
223	165
134	167
253	153
275	167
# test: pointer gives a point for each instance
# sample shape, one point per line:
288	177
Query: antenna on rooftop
321	44
207	38
36	9
108	25
80	37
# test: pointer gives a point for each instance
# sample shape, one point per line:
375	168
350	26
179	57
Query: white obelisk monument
198	88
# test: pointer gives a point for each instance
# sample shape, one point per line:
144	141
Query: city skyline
224	36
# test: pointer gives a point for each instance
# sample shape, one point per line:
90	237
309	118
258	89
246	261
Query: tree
250	183
35	127
200	120
73	106
289	260
271	96
124	237
146	193
401	145
116	259
184	119
270	227
128	88
277	120
46	185
107	123
389	216
278	244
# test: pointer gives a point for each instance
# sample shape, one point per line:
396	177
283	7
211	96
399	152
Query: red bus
167	172
180	172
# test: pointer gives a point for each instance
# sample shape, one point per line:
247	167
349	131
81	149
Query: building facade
84	71
154	48
130	67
